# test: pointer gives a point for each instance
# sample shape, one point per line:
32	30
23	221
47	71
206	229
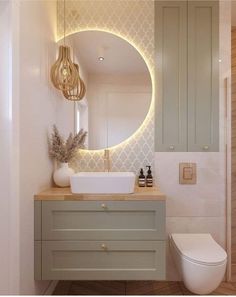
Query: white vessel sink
102	183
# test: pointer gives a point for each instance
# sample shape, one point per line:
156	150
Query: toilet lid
199	248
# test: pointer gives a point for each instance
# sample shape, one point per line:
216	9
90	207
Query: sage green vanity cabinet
100	240
187	75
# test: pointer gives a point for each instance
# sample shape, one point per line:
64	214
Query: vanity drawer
103	220
103	260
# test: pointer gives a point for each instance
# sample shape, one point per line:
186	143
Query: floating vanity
100	236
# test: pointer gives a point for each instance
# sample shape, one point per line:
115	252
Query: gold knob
206	147
104	247
104	206
171	147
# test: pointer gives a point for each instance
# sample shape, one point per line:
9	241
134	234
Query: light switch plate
187	173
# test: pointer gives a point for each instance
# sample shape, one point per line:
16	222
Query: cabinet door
103	260
99	220
203	76
171	75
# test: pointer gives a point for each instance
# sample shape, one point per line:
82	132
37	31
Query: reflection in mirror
118	87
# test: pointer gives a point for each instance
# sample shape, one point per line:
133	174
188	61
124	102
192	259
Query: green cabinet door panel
171	75
203	76
103	260
95	220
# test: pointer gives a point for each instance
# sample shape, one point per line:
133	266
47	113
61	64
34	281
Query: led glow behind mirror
119	89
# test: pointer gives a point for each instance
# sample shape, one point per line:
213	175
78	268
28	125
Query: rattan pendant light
64	74
78	92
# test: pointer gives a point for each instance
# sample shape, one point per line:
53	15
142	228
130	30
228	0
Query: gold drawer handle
104	247
206	148
104	206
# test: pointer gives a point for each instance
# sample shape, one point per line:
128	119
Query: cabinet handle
103	246
104	206
206	148
171	147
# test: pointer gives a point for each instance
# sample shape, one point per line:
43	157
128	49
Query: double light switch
187	173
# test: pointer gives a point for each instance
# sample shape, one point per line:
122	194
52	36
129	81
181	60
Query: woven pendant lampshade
77	93
64	74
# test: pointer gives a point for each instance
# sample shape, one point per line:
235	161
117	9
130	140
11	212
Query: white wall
200	207
65	116
5	131
38	105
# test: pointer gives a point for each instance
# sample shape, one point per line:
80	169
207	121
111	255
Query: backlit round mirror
118	89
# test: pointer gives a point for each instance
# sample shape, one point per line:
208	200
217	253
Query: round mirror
118	88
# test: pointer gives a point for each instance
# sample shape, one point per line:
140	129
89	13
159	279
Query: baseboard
51	287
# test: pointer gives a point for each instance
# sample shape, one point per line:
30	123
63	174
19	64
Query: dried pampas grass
63	151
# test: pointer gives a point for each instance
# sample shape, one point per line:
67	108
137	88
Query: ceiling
120	57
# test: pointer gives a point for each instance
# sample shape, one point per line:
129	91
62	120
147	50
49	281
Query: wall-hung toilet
200	260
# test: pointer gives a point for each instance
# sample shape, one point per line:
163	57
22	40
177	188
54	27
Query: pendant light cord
64	22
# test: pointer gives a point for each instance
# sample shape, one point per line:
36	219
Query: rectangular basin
102	183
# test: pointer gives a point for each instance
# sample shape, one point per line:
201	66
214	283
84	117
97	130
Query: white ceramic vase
62	175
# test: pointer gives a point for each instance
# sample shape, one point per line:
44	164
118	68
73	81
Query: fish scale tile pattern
132	20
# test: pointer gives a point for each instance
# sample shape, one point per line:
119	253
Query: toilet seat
199	248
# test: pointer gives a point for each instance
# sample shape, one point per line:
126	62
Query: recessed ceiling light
100	53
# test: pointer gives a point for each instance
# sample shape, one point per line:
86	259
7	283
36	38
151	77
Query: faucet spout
106	160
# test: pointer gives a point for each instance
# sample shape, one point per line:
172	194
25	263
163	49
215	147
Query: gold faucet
106	160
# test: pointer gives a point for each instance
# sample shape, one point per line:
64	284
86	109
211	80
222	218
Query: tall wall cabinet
187	75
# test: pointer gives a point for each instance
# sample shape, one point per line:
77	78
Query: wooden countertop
56	194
